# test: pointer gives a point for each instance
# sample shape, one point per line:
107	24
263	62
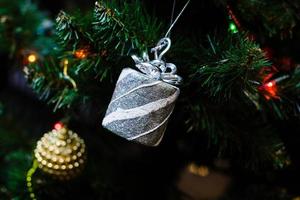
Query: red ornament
58	125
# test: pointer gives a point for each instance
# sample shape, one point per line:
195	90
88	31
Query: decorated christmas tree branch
271	18
228	76
276	84
281	90
230	70
96	47
228	73
52	80
110	35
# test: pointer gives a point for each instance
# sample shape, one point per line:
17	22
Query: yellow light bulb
66	62
31	58
201	170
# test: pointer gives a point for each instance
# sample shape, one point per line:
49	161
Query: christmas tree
143	99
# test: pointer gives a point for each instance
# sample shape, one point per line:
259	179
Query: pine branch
230	70
48	81
224	102
69	32
96	46
125	26
108	28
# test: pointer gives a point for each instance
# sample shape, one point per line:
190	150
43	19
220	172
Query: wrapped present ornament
144	100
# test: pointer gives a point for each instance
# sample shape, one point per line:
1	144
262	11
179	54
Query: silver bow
157	68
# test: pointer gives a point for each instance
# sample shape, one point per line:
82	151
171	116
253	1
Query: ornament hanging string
157	68
178	16
172	15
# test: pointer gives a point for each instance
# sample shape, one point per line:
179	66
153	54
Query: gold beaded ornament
61	153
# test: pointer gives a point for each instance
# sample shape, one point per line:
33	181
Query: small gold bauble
61	153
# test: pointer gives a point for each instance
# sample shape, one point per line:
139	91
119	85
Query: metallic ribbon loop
157	68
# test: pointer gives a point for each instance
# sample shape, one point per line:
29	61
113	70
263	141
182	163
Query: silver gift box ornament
142	102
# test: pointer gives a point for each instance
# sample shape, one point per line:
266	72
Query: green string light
233	28
29	175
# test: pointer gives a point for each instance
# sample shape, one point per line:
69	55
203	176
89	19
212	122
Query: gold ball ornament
61	153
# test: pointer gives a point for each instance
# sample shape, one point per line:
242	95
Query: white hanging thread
172	15
178	16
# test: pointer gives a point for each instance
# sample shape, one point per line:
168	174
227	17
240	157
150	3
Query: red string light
81	53
270	90
269	87
58	125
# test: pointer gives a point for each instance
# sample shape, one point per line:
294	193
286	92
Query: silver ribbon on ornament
158	69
